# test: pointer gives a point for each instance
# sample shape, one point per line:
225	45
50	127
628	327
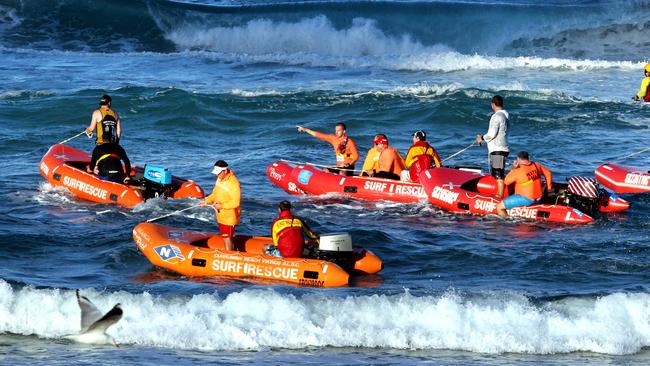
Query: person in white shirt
497	142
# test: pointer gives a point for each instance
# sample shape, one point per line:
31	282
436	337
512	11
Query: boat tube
623	179
66	167
306	179
193	253
462	191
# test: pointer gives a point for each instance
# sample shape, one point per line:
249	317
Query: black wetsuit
108	158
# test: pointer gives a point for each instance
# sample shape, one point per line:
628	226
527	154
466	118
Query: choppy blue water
197	81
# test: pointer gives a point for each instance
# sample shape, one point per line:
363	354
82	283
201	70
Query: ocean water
198	81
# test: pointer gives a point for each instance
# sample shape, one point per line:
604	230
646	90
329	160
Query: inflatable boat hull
306	179
192	253
61	166
623	179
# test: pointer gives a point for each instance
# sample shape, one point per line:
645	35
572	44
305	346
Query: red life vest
647	95
289	232
421	163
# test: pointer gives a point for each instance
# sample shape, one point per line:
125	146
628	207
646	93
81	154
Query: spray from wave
317	42
259	319
334	29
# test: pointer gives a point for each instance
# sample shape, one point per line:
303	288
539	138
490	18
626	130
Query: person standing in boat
420	157
383	161
344	147
644	90
225	199
105	122
497	141
527	178
289	233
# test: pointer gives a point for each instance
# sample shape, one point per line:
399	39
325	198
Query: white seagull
94	324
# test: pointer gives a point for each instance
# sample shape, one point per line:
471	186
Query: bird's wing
89	312
110	318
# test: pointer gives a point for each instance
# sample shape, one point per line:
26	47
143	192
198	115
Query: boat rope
633	154
73	137
172	213
458	153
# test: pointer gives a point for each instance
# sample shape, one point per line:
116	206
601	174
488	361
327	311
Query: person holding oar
105	122
225	199
108	155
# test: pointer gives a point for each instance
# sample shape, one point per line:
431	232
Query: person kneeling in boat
225	199
383	161
106	162
344	147
288	233
420	157
644	90
527	178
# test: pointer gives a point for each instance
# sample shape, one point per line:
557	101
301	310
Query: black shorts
498	164
349	169
386	175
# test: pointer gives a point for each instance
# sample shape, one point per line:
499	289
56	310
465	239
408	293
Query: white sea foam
30	94
317	42
428	89
259	319
49	194
255	93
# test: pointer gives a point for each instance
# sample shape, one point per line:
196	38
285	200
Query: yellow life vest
106	129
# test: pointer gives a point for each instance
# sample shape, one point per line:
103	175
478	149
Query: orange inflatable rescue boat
192	253
66	167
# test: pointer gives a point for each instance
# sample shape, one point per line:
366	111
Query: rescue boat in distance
623	179
462	191
306	179
193	253
66	167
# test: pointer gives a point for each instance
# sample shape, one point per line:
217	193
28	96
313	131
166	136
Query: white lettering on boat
375	186
487	206
275	175
635	178
410	190
444	195
291	186
141	238
85	187
525	212
255	269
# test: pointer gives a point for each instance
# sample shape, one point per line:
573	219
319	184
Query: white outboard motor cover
336	242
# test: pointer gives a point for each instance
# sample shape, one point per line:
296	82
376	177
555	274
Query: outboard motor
586	195
157	182
336	248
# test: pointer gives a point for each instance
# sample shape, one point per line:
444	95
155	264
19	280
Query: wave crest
259	319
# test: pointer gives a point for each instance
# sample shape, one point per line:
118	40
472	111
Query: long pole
632	154
319	165
71	138
458	153
172	213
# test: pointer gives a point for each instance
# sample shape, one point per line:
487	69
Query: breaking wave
403	34
261	319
